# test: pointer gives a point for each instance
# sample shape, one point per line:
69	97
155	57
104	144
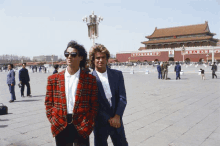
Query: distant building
166	44
218	44
47	58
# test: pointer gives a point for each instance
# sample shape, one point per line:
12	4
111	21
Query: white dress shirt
105	84
71	82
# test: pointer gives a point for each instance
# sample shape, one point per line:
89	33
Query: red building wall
164	57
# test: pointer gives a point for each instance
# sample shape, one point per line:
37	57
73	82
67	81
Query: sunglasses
73	54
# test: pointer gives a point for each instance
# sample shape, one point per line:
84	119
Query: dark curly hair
97	48
81	50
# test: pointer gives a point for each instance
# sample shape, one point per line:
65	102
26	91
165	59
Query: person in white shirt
71	100
111	98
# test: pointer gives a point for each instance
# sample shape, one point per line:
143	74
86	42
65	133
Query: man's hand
12	84
115	121
20	82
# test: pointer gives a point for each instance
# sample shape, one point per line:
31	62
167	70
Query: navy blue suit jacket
11	77
177	68
119	101
158	68
23	75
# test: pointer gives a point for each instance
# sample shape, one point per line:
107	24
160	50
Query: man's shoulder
88	75
115	71
55	76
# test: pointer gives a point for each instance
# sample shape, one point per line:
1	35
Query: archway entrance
187	60
201	60
171	59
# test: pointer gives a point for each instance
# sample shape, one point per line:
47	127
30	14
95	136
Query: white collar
69	75
104	73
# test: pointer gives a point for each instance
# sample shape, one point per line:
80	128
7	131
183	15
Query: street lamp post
207	57
92	23
183	52
52	59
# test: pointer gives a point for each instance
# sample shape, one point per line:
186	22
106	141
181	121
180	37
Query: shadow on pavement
4	120
3	126
38	95
26	100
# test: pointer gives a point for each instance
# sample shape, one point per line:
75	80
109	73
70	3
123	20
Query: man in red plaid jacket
71	100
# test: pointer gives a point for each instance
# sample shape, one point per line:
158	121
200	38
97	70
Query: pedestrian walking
111	98
11	82
56	67
24	80
71	100
202	73
159	71
214	69
177	69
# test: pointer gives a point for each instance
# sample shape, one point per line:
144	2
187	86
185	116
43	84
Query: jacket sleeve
122	102
13	77
49	99
19	75
28	76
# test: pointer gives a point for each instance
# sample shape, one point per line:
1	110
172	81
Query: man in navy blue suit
177	69
159	71
11	82
111	98
24	80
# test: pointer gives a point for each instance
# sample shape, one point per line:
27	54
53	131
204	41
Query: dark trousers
70	136
12	91
213	74
101	134
28	88
159	75
177	74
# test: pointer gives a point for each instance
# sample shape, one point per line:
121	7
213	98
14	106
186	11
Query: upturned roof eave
150	37
171	40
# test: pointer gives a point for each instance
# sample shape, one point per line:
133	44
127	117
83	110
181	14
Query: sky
44	27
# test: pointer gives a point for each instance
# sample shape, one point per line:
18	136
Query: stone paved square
172	112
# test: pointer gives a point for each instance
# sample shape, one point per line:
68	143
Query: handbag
3	109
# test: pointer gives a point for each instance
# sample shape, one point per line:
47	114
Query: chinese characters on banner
197	52
145	54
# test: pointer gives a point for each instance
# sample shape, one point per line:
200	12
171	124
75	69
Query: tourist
214	69
159	71
56	67
202	73
111	97
165	70
11	82
24	80
71	100
177	69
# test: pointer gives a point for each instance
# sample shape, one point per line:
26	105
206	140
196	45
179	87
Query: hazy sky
44	27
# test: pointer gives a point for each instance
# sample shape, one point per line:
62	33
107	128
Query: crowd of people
162	69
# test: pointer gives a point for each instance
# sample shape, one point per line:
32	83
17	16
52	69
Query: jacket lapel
112	86
79	90
100	87
61	83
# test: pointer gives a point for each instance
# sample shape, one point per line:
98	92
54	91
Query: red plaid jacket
85	108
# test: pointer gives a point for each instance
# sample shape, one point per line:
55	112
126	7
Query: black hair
81	50
56	66
12	66
24	64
